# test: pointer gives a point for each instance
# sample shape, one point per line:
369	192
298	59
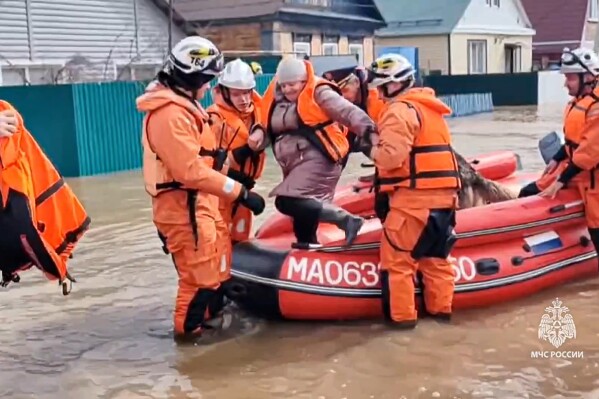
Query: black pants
529	190
305	213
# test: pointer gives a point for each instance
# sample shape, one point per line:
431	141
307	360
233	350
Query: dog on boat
478	191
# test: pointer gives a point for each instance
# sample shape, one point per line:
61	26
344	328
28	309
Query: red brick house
559	24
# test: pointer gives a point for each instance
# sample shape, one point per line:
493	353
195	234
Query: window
357	49
513	59
301	44
477	56
330	49
593	9
301	49
330	45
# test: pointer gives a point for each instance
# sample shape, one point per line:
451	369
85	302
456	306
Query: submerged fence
90	129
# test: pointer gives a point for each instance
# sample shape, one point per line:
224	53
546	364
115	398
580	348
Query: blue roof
420	17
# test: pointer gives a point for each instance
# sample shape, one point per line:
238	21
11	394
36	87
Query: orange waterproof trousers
200	267
403	229
224	248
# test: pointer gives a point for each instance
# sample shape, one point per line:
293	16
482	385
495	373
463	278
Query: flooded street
111	338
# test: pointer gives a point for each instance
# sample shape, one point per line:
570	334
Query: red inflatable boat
504	251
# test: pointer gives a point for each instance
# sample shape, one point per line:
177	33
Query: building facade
460	36
312	27
80	41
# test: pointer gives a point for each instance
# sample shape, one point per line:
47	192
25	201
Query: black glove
381	205
242	153
254	202
368	140
242	178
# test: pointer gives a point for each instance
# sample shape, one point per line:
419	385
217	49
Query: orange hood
158	95
426	97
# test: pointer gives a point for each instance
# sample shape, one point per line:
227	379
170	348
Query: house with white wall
459	36
62	41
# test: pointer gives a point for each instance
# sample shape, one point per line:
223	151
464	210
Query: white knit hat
291	70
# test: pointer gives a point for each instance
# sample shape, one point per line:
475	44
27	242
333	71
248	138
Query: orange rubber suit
581	131
575	117
418	170
232	130
185	189
41	219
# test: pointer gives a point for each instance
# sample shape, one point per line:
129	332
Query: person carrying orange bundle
41	219
181	168
417	174
578	159
235	113
353	83
305	115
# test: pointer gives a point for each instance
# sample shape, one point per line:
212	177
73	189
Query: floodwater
111	338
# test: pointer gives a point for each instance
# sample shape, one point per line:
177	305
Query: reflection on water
111	337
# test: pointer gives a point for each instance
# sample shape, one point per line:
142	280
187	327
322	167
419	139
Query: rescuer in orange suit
353	83
235	113
578	159
41	219
417	173
182	173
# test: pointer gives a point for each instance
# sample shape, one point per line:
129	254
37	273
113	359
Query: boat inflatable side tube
251	260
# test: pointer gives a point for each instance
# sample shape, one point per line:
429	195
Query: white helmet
580	60
237	75
195	54
391	68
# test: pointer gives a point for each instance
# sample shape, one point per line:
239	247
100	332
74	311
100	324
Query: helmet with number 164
194	61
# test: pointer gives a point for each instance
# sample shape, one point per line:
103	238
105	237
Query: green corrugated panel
507	89
262	82
108	126
48	114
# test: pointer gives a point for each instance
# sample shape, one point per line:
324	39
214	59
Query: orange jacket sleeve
170	134
586	156
398	126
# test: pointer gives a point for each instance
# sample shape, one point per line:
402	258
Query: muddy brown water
111	338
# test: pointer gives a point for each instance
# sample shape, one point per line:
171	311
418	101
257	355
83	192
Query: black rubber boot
344	220
594	233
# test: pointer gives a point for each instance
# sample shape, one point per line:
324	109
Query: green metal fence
507	89
89	129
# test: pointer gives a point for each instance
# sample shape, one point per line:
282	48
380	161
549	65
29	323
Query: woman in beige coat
308	119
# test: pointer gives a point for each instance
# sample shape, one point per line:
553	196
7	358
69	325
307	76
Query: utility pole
170	25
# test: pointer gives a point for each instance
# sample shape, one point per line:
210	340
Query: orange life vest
326	135
374	105
41	207
575	117
253	167
432	163
157	177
